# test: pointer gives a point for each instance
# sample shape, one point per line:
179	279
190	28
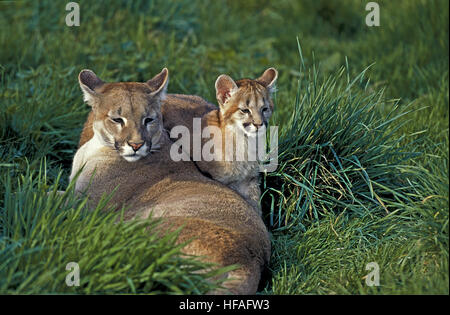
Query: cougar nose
135	146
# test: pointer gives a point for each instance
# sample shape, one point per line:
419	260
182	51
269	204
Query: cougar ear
89	82
225	87
268	79
158	84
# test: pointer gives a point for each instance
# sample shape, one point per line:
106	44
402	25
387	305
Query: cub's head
246	103
127	115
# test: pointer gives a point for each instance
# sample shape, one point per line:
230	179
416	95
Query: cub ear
225	87
158	84
268	79
89	82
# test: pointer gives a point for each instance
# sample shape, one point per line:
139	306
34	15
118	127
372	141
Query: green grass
43	232
363	116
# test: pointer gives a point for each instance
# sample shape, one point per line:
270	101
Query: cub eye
245	111
265	109
148	120
118	120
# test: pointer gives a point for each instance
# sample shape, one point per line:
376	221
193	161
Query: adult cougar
130	151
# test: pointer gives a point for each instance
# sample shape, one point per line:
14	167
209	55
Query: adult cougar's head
127	114
246	103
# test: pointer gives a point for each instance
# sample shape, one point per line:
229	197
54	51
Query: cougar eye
118	120
148	120
245	111
265	109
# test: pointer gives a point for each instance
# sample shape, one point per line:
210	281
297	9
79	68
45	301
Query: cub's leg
250	191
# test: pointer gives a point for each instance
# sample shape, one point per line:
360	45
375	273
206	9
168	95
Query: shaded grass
410	245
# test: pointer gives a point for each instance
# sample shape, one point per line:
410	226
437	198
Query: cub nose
135	146
258	125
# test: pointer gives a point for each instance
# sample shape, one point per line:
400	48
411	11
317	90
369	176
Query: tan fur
252	95
224	228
